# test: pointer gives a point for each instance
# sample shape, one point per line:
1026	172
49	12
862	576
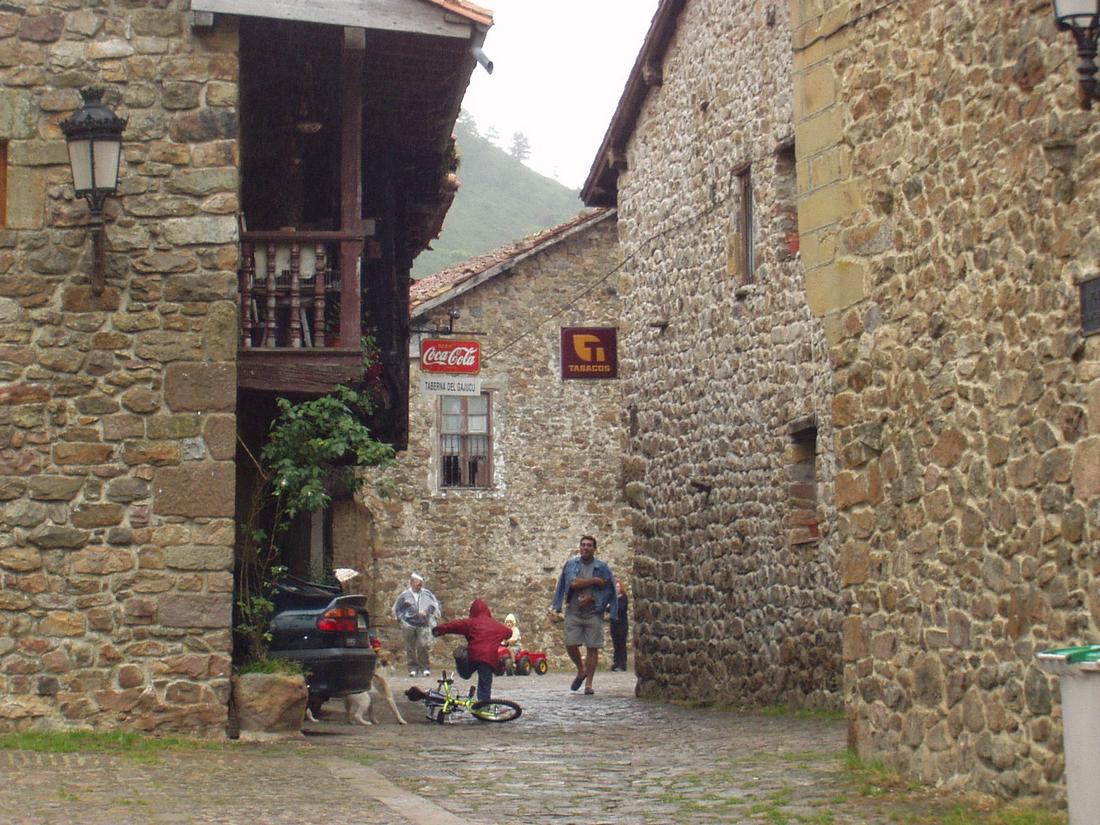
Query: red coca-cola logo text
450	356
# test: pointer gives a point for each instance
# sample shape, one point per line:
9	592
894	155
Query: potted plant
312	445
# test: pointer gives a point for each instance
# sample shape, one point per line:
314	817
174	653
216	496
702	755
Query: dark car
328	633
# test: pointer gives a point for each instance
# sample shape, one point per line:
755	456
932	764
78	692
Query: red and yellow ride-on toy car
522	663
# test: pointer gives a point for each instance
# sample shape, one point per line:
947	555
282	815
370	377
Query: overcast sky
559	69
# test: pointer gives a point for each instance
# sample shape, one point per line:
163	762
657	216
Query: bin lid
1065	659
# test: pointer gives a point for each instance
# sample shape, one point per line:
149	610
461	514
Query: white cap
416	577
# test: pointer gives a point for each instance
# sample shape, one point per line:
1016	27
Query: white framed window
465	441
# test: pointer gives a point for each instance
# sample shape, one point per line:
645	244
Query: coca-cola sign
439	355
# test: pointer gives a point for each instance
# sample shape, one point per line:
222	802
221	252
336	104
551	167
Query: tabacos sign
589	352
440	355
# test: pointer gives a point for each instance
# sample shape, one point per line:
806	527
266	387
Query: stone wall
948	203
728	382
556	450
117	411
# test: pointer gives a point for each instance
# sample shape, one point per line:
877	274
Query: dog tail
415	694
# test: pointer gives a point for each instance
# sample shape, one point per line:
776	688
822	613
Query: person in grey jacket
418	611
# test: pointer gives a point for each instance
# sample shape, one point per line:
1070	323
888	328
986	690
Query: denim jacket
605	596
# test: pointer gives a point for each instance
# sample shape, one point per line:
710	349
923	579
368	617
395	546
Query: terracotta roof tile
439	283
467	10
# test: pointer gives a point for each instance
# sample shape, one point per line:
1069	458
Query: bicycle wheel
496	710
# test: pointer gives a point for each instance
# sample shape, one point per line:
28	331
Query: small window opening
3	183
465	441
803	517
786	211
747	226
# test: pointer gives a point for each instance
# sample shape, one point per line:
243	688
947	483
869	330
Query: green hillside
500	201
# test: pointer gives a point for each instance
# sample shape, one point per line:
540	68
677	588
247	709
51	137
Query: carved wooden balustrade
296	332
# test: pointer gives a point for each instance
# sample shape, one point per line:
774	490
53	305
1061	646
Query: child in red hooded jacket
484	635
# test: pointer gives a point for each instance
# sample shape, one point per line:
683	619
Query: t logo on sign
589	348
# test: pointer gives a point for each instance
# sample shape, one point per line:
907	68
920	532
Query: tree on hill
500	201
521	147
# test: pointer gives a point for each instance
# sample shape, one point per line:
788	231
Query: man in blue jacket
586	587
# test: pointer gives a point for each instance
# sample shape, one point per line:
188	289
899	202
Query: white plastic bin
1079	672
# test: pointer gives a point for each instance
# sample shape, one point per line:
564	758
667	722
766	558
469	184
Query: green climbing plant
313	446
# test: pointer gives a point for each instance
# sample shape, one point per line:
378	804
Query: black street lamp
94	136
1082	18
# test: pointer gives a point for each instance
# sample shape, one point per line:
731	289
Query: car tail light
339	618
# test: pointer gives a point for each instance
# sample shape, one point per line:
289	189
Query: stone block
196	610
101	561
91	516
62	623
18	114
1086	468
20	559
201	387
26	197
855	563
818	133
830	204
58	538
198	489
836	286
816	89
220	434
54	488
76	453
203	557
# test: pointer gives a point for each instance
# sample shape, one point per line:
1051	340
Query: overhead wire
693	219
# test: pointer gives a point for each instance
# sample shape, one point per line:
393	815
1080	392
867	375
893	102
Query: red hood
479	608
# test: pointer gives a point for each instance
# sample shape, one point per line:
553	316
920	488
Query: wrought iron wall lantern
94	136
1082	19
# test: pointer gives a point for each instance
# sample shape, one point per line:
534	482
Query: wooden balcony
300	317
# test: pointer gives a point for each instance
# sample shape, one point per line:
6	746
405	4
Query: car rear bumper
334	671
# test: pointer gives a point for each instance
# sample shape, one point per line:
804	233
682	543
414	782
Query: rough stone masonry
117	411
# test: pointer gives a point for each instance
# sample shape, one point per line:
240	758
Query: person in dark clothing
484	636
620	628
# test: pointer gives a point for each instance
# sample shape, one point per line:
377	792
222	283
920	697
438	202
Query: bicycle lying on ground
443	703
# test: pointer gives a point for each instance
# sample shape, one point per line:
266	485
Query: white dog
359	707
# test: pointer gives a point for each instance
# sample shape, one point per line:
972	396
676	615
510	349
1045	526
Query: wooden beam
388	15
352	57
308	371
652	73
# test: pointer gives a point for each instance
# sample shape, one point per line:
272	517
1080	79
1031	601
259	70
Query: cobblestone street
571	758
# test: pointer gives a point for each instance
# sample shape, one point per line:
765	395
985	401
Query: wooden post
248	272
319	334
351	186
295	296
272	288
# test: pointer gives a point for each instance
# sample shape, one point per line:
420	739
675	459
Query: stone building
730	465
548	466
946	201
120	407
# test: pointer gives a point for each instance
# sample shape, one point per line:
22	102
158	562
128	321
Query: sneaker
425	673
412	673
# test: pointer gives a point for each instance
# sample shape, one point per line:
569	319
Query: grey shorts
584	630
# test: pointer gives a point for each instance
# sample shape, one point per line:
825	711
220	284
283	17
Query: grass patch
128	743
284	667
803	713
914	804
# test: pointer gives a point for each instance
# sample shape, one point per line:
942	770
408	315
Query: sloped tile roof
440	286
468	10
